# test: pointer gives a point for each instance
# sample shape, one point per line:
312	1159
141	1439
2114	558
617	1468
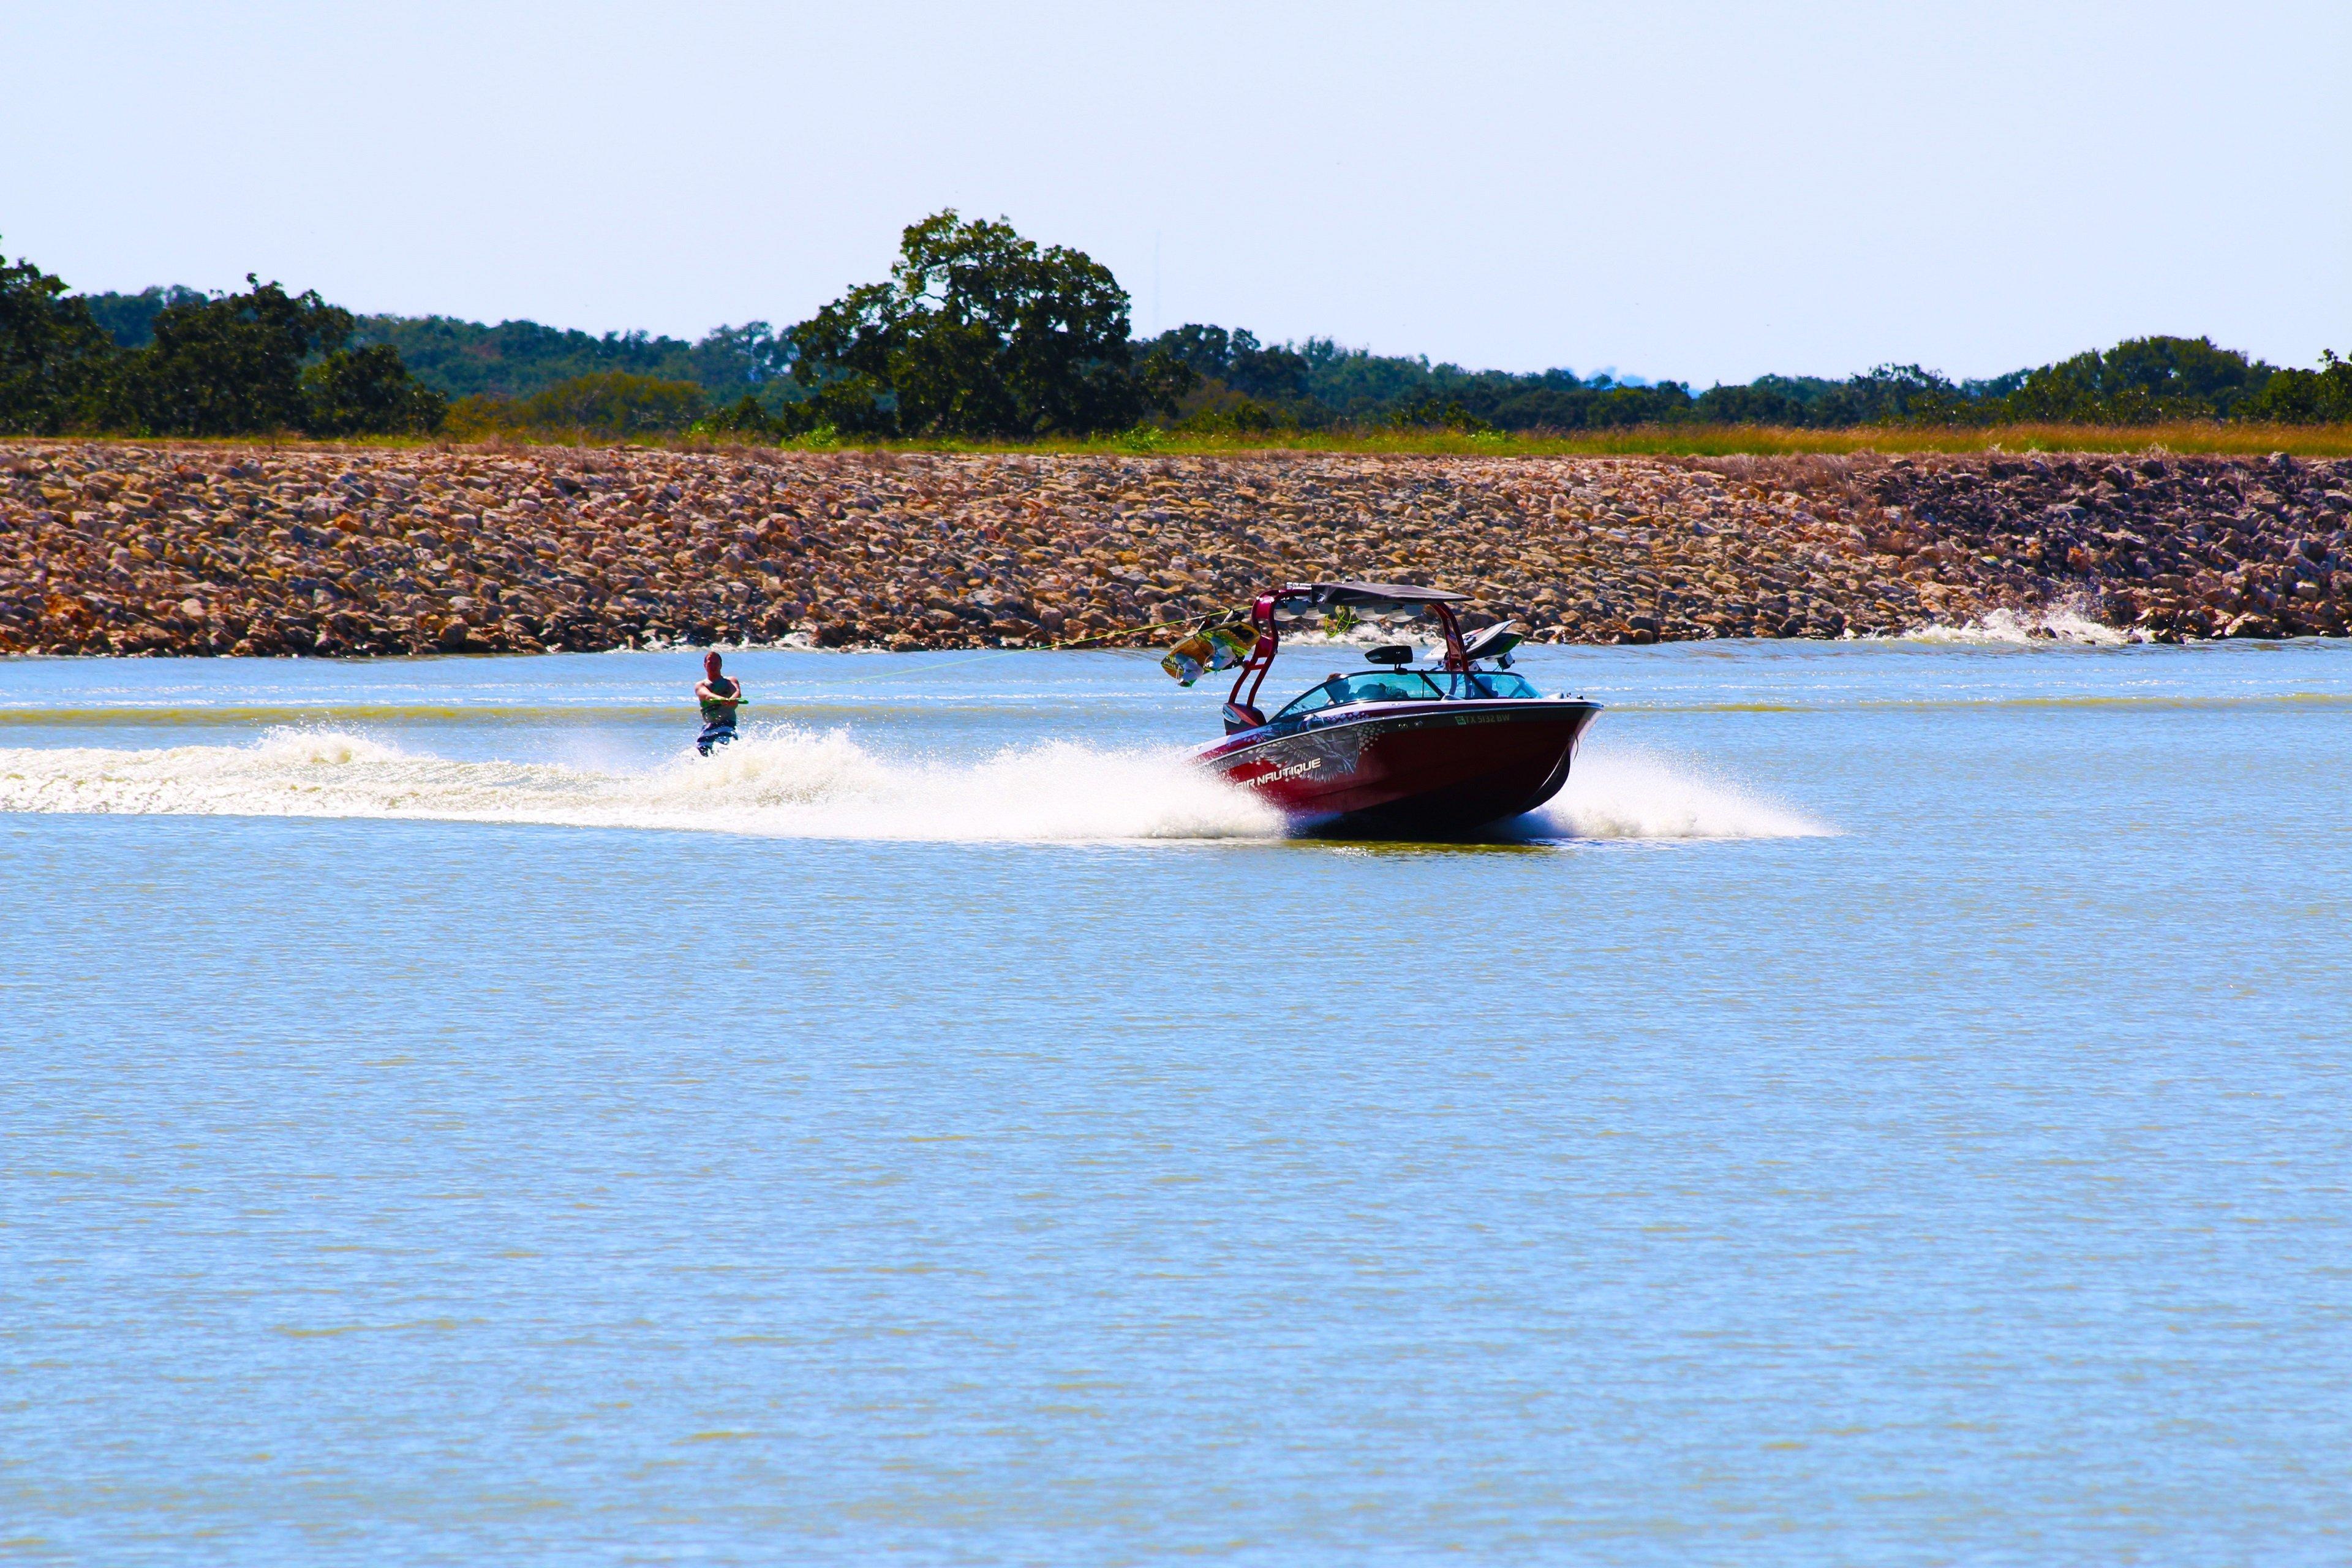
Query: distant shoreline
259	548
2185	438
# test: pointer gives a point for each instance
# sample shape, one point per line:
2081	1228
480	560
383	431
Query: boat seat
1240	716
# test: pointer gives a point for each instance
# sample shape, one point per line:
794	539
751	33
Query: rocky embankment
109	548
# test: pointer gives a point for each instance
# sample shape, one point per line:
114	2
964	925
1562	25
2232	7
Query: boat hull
1408	768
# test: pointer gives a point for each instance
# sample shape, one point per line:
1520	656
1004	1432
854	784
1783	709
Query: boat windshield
1486	683
1371	686
1406	686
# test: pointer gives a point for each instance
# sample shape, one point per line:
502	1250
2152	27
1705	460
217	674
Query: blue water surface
1965	1183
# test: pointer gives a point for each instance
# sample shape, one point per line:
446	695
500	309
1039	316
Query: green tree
2140	379
1275	374
230	365
1432	414
613	402
54	357
515	359
744	416
752	355
979	332
368	392
131	317
2322	397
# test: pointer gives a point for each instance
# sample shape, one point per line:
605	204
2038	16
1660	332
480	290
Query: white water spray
1618	794
786	782
2071	622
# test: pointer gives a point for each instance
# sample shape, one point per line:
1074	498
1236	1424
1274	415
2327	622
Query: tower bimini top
1367	595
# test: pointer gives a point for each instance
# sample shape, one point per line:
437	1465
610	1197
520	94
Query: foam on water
1643	795
779	781
785	780
2067	623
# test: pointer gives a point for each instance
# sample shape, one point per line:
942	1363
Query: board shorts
714	735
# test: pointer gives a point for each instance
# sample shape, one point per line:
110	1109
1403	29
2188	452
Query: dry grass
2184	436
1700	441
1730	441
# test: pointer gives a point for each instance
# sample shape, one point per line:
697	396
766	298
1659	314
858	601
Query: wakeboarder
719	698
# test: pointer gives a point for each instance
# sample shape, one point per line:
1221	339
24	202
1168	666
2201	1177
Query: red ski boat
1395	750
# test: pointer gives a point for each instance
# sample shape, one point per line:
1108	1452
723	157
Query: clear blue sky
1690	190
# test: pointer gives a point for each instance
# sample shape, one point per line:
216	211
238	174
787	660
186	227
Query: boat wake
787	782
780	782
1641	796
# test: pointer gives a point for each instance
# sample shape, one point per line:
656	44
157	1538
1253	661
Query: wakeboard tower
1401	751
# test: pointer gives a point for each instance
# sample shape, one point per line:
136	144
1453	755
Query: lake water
1892	1110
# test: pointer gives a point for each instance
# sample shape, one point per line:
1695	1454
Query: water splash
780	781
2071	622
1643	796
787	782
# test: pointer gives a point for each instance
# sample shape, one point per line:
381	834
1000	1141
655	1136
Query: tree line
1319	384
976	333
229	364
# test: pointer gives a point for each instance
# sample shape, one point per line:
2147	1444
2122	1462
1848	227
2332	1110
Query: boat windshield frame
1389	685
